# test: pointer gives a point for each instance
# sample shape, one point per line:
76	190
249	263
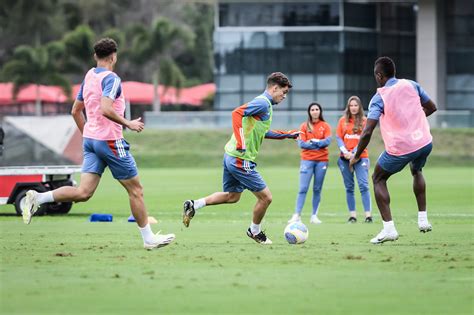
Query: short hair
386	66
280	79
105	47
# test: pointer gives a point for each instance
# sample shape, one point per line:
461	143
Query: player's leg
306	173
92	168
348	178
319	172
264	199
232	190
419	188
362	172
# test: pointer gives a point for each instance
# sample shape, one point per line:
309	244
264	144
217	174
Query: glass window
301	100
278	14
228	100
254	82
328	82
360	14
302	82
228	83
328	100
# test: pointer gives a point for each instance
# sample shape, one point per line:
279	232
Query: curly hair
280	79
105	47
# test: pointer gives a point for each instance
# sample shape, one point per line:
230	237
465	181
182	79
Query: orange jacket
351	139
321	130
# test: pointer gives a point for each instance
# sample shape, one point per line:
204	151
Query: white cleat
29	206
425	227
161	240
295	218
384	237
315	220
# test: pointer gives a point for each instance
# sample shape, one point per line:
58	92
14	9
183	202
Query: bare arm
429	108
77	114
363	141
106	105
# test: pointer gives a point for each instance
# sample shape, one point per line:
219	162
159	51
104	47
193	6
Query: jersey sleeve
375	107
303	130
111	86
423	95
80	96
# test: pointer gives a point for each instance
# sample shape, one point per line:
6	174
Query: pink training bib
98	126
403	124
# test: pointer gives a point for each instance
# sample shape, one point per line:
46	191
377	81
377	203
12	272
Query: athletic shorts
394	164
98	154
241	174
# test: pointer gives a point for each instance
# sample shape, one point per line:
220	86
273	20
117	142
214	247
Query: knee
363	187
267	199
233	198
136	192
84	195
303	189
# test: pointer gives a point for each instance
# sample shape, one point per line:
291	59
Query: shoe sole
384	240
425	230
28	210
261	243
186	218
166	243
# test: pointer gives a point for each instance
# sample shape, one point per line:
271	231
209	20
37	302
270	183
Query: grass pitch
66	265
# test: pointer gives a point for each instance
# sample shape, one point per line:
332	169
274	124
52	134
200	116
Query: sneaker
352	220
161	240
259	238
29	206
295	218
315	220
188	212
384	237
369	220
425	227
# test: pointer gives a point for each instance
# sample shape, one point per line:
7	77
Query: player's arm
78	115
282	134
429	107
326	141
365	137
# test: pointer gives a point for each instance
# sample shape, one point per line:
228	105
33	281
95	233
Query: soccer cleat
384	236
29	206
315	220
188	212
260	238
352	220
425	227
160	240
369	220
295	218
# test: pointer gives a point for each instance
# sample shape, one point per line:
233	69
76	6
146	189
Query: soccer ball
296	233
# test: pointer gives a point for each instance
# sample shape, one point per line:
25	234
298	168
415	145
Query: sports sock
147	233
45	197
389	226
255	228
422	216
198	204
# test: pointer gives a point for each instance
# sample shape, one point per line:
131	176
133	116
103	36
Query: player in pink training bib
101	95
402	107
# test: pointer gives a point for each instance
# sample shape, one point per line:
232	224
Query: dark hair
386	66
280	79
105	47
309	123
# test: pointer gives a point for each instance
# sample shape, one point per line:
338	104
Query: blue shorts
241	174
394	164
98	154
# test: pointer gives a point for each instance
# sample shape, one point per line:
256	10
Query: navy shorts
394	164
98	154
241	174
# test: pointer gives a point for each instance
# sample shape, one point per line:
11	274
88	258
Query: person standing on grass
314	140
102	97
250	124
402	107
348	132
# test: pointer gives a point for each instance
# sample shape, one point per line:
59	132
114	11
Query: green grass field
66	265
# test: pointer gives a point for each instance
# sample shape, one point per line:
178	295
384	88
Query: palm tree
37	65
156	47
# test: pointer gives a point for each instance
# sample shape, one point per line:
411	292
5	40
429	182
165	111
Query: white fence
282	119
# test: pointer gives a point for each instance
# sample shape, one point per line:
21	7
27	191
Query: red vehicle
16	181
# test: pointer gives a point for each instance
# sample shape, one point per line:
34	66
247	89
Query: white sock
389	226
147	233
422	216
198	204
255	228
45	197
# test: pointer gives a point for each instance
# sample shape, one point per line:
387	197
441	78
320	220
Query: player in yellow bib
251	124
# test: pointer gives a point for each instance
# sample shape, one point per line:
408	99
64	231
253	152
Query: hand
294	134
348	155
314	140
136	125
352	162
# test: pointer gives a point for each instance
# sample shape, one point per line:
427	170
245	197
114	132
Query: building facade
328	48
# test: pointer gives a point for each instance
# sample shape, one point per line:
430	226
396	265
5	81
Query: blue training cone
100	217
131	218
